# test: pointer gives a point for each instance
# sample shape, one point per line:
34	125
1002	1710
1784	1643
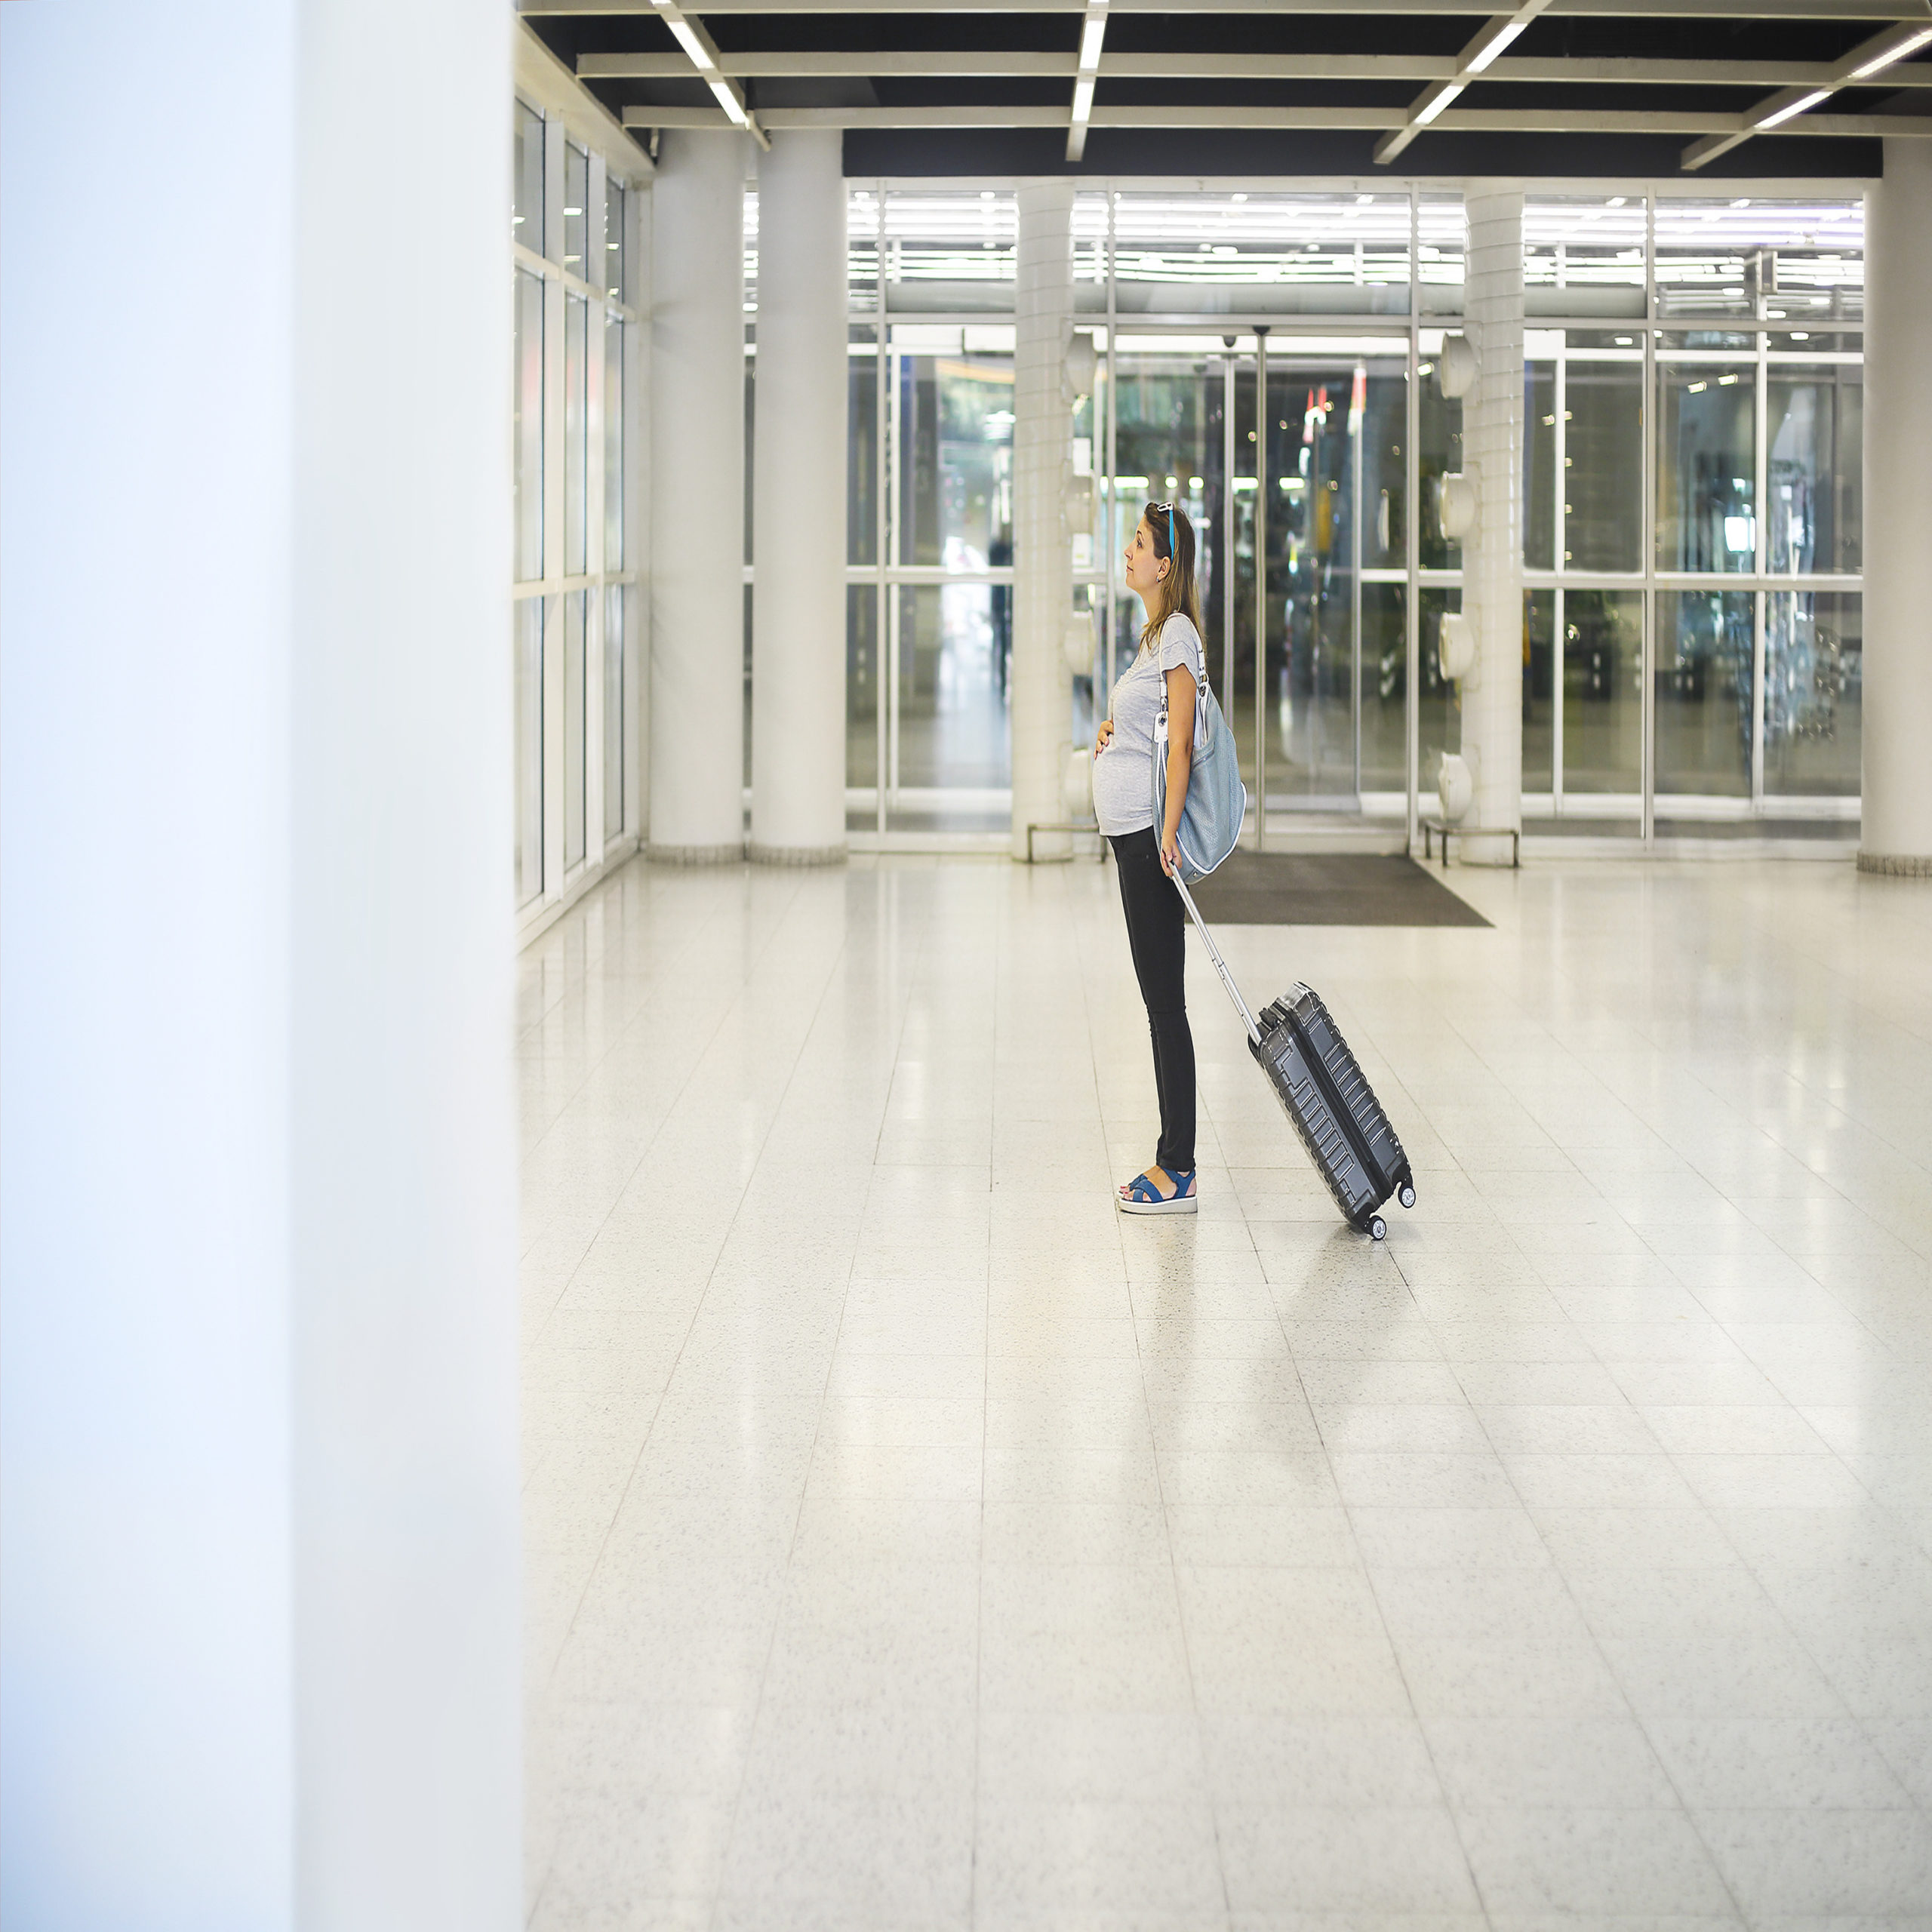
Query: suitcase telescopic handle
1214	954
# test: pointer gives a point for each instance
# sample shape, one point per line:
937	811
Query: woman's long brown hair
1179	590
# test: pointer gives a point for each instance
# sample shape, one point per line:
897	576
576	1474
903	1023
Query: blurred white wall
258	1656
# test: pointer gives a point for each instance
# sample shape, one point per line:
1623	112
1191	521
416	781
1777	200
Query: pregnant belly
1122	791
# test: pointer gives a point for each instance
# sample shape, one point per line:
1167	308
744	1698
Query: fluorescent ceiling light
1425	114
1484	55
721	89
1780	115
1091	35
681	32
1083	97
1879	62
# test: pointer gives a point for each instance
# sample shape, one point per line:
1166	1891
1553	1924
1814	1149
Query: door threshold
1324	832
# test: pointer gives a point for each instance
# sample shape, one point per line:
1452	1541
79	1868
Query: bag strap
1200	686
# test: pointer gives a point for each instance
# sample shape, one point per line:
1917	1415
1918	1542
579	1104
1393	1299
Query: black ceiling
1716	38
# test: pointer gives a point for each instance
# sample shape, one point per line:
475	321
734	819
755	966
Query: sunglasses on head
1169	507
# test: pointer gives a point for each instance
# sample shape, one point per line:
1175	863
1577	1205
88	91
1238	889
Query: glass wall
1693	504
1691	521
572	331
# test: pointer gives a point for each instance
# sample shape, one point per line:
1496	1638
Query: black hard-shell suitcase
1323	1093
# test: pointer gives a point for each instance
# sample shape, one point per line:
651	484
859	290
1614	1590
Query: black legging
1157	932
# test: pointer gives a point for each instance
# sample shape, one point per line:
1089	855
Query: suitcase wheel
1406	1194
1377	1226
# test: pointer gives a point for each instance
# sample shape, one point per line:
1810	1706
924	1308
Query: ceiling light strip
1497	33
1864	63
702	51
1093	40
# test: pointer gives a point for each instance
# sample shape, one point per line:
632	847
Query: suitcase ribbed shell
1326	1096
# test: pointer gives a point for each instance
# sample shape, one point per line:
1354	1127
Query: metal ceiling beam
1553	119
1496	33
702	51
1864	63
1370	67
1728	10
862	65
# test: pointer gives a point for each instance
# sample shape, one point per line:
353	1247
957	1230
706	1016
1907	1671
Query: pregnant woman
1160	572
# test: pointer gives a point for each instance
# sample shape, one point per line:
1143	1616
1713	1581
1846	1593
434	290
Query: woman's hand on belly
1104	737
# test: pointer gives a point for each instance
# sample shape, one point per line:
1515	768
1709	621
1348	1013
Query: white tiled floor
912	1543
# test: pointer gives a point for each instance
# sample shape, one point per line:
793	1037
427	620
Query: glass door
1324	709
1171	445
1319	711
949	553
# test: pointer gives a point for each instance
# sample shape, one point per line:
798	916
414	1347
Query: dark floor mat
1327	889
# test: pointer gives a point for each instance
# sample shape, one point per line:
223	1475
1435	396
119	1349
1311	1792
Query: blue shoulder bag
1216	802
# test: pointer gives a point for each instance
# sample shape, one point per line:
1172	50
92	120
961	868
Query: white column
1492	560
799	506
259	1661
1042	691
1897	835
697	479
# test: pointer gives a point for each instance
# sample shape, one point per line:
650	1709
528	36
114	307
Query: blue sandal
1141	1197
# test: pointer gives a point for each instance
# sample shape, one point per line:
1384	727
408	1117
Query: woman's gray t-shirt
1123	772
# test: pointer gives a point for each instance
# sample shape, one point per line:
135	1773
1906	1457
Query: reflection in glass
1385	521
1603	476
1746	257
576	371
527	680
576	210
1603	692
614	283
1706	510
862	684
1384	670
1704	649
527	179
1090	690
1539	466
862	249
952	695
527	426
1815	421
1439	709
1442	230
1583	255
955	471
574	699
1539	663
1312	429
613	710
949	250
1171	446
862	449
751	433
1439	454
1814	691
1184	252
614	446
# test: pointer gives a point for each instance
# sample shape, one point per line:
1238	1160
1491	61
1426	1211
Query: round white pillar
697	475
799	506
1897	835
1041	685
1493	561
